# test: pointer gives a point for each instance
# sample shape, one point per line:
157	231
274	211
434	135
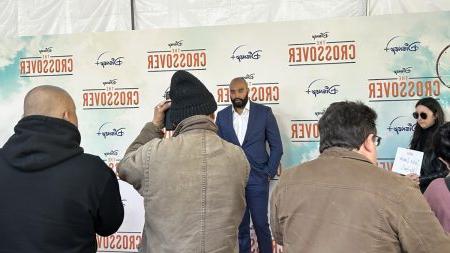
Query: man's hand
160	111
413	177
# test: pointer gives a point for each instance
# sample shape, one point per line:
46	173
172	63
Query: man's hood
40	142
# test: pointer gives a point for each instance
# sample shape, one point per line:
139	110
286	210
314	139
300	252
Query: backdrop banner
296	68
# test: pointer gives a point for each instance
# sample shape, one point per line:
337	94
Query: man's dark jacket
54	197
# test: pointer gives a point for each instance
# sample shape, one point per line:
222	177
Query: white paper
407	161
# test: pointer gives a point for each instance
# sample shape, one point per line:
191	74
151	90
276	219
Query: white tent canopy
36	17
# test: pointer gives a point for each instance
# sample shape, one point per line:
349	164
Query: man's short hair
347	125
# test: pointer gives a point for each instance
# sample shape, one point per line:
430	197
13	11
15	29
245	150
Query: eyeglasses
376	140
422	115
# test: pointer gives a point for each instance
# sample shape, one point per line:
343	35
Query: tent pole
133	27
367	7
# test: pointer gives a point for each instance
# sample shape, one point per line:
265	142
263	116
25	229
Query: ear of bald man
71	116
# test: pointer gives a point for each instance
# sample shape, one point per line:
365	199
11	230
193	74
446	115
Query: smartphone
167	121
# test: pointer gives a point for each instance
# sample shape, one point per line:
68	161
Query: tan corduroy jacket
193	186
341	203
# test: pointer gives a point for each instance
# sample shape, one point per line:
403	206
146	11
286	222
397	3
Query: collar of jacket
195	122
344	153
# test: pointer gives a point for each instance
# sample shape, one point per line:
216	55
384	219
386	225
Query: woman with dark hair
438	193
430	117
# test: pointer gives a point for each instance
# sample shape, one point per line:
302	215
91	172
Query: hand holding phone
160	112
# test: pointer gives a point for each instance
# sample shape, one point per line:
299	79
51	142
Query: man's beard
239	103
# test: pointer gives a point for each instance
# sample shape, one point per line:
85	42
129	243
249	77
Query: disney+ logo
249	76
110	132
405	70
241	54
322	35
113	152
322	86
397	126
320	113
110	82
108	62
177	43
405	47
46	50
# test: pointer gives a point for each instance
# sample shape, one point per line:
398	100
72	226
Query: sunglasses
422	115
376	140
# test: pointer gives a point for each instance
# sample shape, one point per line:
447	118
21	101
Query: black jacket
431	169
54	198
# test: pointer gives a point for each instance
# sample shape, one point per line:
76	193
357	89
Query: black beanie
189	97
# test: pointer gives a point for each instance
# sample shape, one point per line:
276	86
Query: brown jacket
341	203
193	186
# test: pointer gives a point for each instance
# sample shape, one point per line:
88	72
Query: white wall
35	17
381	7
178	13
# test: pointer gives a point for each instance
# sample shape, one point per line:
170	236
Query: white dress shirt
240	122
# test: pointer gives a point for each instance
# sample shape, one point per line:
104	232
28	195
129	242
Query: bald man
55	197
253	127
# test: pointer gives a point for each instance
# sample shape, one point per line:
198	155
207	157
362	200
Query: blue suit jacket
262	126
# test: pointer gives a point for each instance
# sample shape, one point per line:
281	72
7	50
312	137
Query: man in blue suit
251	126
